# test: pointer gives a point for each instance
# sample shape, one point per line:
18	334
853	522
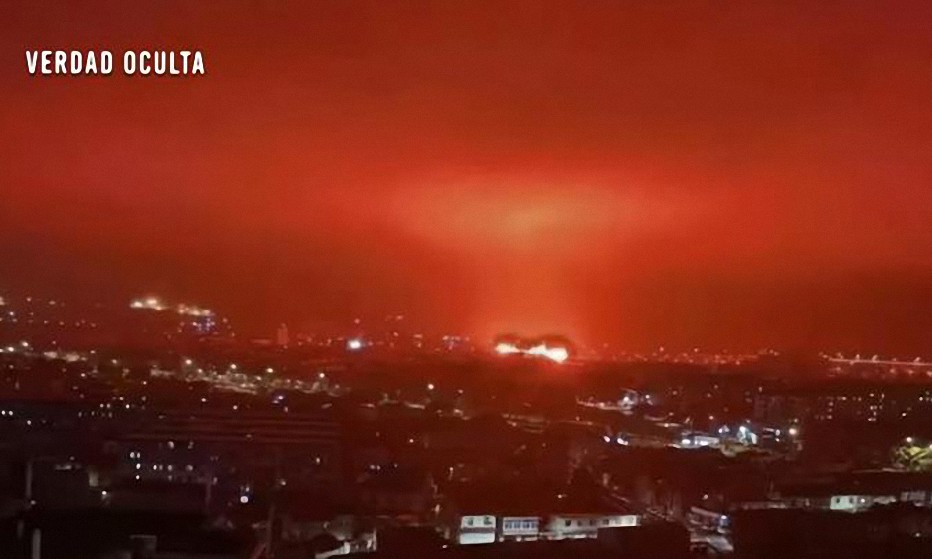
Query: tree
913	456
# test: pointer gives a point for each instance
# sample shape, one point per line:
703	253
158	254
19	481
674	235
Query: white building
476	528
520	528
562	526
858	503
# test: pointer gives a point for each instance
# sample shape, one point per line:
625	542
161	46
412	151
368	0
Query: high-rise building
281	336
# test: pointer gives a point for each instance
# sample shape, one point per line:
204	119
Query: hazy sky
682	173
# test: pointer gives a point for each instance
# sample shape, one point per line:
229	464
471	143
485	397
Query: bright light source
150	303
354	344
558	354
505	348
244	499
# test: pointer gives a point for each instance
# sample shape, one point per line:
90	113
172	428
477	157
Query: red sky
683	173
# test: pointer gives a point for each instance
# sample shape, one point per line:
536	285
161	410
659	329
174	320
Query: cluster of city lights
156	304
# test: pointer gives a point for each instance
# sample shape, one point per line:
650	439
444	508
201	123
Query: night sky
714	174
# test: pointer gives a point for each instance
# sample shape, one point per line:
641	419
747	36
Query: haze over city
641	174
